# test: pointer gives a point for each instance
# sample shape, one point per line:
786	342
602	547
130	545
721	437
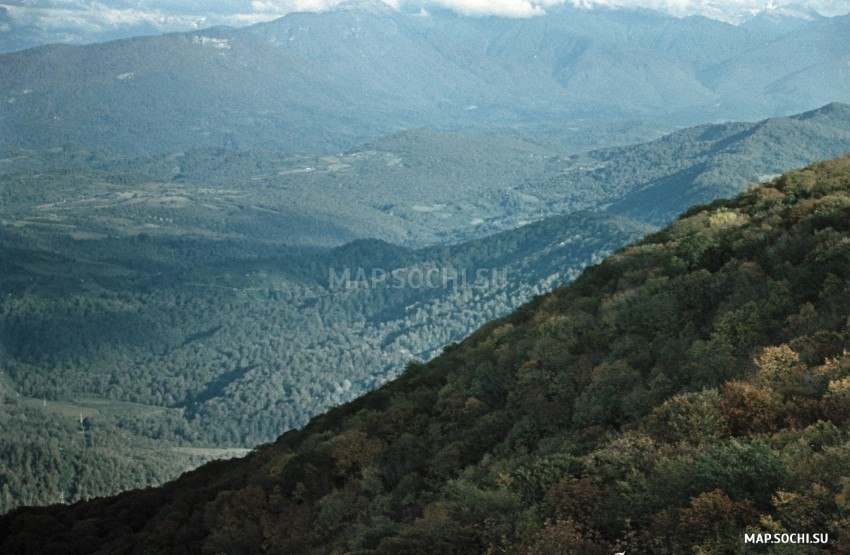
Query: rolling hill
418	188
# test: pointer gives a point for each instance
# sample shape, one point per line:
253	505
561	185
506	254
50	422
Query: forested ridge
162	310
223	344
690	389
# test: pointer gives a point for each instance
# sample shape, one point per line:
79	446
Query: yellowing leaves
726	218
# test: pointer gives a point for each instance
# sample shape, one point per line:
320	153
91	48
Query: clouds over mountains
25	23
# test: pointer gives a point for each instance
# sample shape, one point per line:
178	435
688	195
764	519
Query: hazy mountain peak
328	82
27	24
833	107
372	6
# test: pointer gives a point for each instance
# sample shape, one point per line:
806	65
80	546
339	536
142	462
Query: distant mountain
820	48
781	20
701	164
421	187
330	81
80	22
20	30
690	393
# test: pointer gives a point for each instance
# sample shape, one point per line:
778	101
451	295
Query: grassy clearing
91	407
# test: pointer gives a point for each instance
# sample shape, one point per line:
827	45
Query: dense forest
163	351
688	392
161	311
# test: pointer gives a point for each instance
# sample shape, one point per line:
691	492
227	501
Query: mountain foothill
685	394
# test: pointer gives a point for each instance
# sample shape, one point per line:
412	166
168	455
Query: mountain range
687	394
327	82
208	238
80	22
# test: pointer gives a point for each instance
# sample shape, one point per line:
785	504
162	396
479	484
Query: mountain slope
198	300
203	341
822	47
330	81
697	165
688	390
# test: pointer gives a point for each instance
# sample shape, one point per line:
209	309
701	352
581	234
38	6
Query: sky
81	21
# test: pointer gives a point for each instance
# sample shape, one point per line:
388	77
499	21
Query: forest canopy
687	393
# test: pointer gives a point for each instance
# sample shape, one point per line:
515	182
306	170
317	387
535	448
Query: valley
432	280
688	393
196	301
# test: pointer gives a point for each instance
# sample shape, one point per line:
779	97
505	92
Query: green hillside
159	311
656	180
166	339
690	390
